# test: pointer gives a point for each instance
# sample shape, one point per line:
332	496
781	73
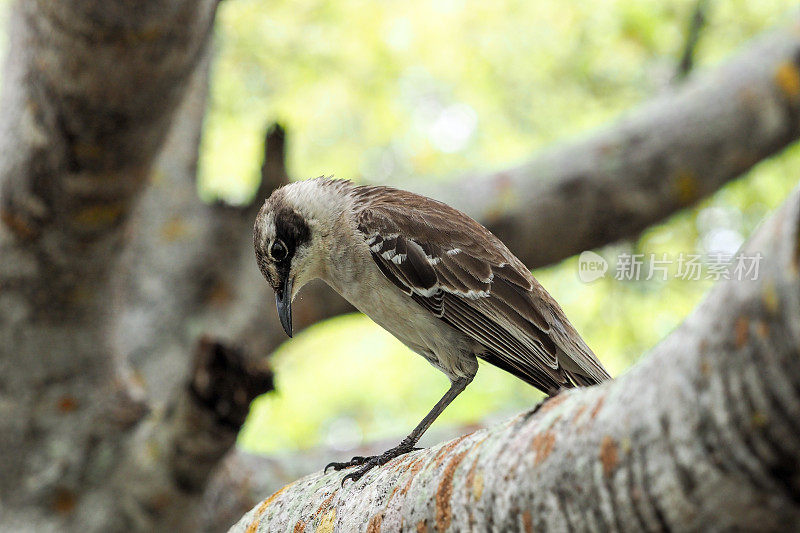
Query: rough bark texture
703	434
89	94
244	479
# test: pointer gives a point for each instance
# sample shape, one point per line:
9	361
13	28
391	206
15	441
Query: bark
89	93
702	434
243	478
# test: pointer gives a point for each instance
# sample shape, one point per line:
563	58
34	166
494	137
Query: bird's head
289	236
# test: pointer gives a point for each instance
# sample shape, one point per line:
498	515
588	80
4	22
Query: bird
433	277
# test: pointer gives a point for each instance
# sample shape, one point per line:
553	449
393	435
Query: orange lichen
299	527
413	470
447	448
474	478
391	496
770	297
67	404
265	503
787	78
759	419
220	294
326	504
147	34
527	522
18	225
543	444
445	491
374	524
327	523
597	407
98	216
160	501
477	486
253	526
422	526
742	328
552	402
578	413
609	455
762	329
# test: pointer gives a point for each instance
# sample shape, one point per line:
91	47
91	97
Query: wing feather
457	270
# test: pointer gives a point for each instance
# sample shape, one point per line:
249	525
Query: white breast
359	280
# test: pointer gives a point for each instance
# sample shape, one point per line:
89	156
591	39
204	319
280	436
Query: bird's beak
283	301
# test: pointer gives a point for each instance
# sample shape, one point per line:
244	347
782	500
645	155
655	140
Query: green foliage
390	90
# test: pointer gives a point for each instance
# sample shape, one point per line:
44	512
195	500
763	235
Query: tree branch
695	27
703	431
243	478
159	482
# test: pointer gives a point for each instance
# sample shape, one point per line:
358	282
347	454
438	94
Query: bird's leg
407	444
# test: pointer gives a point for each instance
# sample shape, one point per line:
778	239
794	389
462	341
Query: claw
355	461
354	476
368	463
372	462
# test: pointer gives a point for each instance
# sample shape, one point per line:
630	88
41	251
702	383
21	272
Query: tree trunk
701	435
90	91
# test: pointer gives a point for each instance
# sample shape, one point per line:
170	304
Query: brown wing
456	269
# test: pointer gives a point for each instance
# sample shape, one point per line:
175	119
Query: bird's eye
278	250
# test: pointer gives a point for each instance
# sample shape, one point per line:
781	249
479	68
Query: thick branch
243	478
703	431
90	90
161	478
210	411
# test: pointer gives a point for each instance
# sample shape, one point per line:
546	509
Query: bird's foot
370	462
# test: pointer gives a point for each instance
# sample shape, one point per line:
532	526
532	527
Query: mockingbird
430	275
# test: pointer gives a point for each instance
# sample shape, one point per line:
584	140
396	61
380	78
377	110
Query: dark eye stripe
292	231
